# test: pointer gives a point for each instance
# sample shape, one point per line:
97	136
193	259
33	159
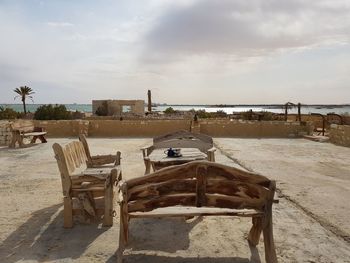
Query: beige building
118	107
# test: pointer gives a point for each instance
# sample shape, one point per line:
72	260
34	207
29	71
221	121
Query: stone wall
135	128
151	128
5	133
255	129
340	135
64	128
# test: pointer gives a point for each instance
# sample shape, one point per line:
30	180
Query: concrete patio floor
310	222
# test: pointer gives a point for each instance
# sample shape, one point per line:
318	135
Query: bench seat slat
180	211
33	134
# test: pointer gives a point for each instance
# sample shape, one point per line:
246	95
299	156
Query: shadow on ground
162	259
43	238
165	234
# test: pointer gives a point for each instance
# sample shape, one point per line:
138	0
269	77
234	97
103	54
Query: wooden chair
87	192
200	188
99	160
180	139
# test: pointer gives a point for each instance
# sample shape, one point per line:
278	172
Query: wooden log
144	205
234	202
162	188
201	186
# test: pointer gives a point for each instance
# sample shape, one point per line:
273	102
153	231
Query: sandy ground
310	222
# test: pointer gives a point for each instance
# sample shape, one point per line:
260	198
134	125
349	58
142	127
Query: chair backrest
198	184
183	139
70	158
83	140
23	126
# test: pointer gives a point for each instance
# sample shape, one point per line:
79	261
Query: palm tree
24	92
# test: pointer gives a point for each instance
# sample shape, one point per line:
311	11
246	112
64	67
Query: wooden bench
23	129
87	192
179	139
99	160
200	188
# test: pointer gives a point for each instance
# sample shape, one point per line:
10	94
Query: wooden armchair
200	188
99	160
87	192
180	139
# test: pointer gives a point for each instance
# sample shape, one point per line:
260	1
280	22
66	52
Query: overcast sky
185	51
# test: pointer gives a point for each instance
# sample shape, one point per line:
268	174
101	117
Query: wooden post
123	224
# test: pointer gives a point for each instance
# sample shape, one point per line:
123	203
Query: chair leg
270	251
255	231
68	212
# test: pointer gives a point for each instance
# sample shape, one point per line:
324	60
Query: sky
184	51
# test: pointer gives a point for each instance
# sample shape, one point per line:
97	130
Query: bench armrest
105	159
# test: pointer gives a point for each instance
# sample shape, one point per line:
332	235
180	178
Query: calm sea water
304	109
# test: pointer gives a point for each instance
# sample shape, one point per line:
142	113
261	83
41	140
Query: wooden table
159	159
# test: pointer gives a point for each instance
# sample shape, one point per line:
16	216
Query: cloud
59	24
247	28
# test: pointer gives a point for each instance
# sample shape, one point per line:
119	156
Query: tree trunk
24	106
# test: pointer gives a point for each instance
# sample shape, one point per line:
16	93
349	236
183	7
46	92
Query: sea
323	109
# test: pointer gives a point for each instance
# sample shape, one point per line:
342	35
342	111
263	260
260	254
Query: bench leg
13	141
123	232
255	231
34	139
270	251
42	139
68	212
108	218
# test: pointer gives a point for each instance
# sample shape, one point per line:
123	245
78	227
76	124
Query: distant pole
286	112
299	111
149	101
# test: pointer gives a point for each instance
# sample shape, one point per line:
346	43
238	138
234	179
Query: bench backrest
198	184
183	139
83	140
23	126
70	158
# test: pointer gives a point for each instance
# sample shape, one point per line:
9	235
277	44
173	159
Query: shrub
49	112
170	110
8	113
102	110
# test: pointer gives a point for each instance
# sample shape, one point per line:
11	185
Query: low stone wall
340	135
255	129
5	133
151	128
64	128
135	128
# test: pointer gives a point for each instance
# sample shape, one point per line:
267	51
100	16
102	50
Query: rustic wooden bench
200	188
87	192
23	129
99	160
178	139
